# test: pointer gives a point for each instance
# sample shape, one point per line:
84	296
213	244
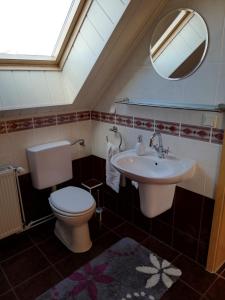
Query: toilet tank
50	164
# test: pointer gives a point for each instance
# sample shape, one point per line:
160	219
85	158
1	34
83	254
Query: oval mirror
179	44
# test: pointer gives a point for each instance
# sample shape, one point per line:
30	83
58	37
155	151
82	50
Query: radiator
10	210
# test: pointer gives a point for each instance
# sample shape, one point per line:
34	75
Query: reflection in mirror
179	44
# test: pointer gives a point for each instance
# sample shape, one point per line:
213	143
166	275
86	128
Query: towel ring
115	130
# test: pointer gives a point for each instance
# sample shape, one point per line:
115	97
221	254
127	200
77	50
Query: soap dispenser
140	147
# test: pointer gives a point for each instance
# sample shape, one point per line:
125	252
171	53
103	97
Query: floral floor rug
124	271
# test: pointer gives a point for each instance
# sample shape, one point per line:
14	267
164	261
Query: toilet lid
72	200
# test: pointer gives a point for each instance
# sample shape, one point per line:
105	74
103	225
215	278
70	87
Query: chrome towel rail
116	131
80	142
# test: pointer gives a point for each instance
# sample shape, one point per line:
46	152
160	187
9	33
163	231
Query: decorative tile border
124	120
146	124
83	116
167	127
18	125
96	115
108	118
195	132
200	133
41	122
217	136
44	121
2	127
66	118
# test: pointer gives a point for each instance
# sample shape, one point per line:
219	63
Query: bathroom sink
151	169
156	177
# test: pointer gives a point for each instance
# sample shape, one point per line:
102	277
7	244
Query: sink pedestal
155	198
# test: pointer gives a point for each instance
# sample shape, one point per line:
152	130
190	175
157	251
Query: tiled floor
35	260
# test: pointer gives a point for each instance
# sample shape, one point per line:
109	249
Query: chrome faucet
158	148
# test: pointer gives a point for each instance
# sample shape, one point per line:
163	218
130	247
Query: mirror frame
203	55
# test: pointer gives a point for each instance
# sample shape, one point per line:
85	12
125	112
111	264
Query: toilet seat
71	201
72	215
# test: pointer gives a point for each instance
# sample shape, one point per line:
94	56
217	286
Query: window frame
62	48
171	32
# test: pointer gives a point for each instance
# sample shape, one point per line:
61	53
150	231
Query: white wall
138	80
42	91
13	145
23	89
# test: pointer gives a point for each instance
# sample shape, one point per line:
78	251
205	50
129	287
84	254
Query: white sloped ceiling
108	34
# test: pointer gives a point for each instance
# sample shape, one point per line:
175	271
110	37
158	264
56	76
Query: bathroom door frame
216	253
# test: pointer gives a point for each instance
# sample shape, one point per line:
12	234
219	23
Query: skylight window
33	27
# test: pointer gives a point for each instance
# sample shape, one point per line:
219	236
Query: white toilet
51	164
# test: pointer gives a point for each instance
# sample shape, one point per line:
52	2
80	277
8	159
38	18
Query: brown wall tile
44	121
2	127
18	125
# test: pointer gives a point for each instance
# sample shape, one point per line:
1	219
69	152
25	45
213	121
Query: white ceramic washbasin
151	169
156	177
